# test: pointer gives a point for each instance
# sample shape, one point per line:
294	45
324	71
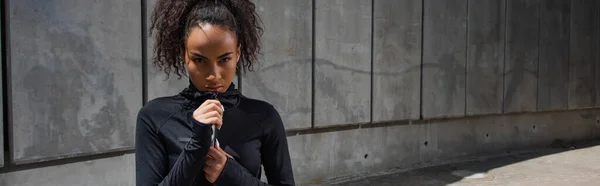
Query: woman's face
211	55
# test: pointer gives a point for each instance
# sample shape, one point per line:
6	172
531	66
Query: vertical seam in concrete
597	73
569	57
144	53
466	59
537	92
597	63
422	39
6	83
312	72
506	39
503	29
372	58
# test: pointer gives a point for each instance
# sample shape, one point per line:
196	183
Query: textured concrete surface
335	156
321	157
283	74
444	57
584	34
485	57
396	60
521	55
343	62
553	78
543	167
75	77
115	171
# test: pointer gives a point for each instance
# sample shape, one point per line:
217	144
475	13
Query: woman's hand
210	112
215	162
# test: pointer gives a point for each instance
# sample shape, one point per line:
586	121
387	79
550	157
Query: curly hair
172	20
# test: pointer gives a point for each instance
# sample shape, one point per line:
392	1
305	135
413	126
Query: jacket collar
228	99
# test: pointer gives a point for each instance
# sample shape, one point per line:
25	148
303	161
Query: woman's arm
151	159
275	152
275	158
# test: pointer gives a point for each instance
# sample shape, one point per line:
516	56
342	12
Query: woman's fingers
210	105
223	152
218	122
216	154
210	112
214	165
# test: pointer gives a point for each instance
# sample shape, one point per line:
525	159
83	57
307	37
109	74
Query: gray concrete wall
344	154
360	85
75	77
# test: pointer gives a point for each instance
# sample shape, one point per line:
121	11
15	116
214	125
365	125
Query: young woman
210	41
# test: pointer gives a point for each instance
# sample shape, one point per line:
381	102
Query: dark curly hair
172	20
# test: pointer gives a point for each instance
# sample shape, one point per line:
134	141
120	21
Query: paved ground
575	167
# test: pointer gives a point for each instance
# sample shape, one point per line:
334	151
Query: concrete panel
343	62
76	81
336	156
554	55
583	54
283	74
485	57
109	171
444	56
397	60
521	58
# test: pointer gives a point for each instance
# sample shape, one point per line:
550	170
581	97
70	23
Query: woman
211	40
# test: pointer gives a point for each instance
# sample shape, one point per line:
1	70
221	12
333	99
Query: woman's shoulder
258	109
255	105
161	107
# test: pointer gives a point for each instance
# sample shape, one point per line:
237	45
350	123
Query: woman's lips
214	88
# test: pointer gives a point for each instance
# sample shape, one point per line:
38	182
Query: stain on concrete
521	56
342	36
553	85
396	47
485	57
75	87
583	35
77	107
286	40
444	58
292	97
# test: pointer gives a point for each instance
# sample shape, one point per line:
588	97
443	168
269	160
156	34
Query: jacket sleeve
275	159
152	161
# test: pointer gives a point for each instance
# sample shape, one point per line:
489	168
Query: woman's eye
223	60
197	60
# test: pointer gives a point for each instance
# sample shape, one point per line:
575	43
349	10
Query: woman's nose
213	74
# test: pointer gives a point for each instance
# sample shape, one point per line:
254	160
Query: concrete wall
362	86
